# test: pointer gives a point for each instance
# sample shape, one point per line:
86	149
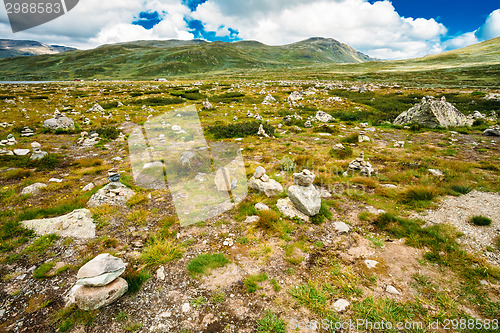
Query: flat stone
305	198
270	188
55	180
223	180
186	307
101	270
340	305
77	224
392	290
371	263
33	188
287	208
341	227
92	298
88	187
21	152
261	206
251	219
436	172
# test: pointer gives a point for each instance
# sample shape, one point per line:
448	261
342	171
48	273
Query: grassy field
269	275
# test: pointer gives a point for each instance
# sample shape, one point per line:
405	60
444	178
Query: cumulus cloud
374	28
490	28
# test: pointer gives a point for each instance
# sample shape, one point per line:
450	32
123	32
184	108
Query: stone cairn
88	141
305	197
11	140
27	132
360	165
262	183
114	193
37	151
99	283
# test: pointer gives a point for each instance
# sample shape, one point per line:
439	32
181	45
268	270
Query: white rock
392	290
305	198
55	180
287	208
33	188
270	188
371	263
261	206
340	305
100	271
186	307
252	219
77	224
160	273
436	172
341	227
259	172
21	152
88	187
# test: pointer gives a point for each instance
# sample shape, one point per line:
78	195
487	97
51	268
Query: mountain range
149	59
144	60
13	48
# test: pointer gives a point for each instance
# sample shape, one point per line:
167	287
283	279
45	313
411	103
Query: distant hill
150	59
15	48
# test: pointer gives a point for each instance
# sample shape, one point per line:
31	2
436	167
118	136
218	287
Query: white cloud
375	29
491	27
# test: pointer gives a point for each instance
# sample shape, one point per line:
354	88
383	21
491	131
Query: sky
397	29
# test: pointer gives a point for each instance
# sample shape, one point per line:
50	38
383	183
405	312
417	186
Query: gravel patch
457	211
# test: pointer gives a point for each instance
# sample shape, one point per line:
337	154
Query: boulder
33	188
323	117
92	298
286	207
294	97
493	131
77	224
304	178
113	194
305	198
269	188
100	271
59	122
21	152
432	113
207	105
269	99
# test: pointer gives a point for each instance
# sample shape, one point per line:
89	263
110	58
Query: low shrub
342	154
160	251
480	220
224	131
204	262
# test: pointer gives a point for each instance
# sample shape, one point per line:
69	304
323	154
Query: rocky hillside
15	48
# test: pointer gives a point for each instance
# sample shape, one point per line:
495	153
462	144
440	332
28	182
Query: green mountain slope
150	59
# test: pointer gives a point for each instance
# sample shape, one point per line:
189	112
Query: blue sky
382	29
458	16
